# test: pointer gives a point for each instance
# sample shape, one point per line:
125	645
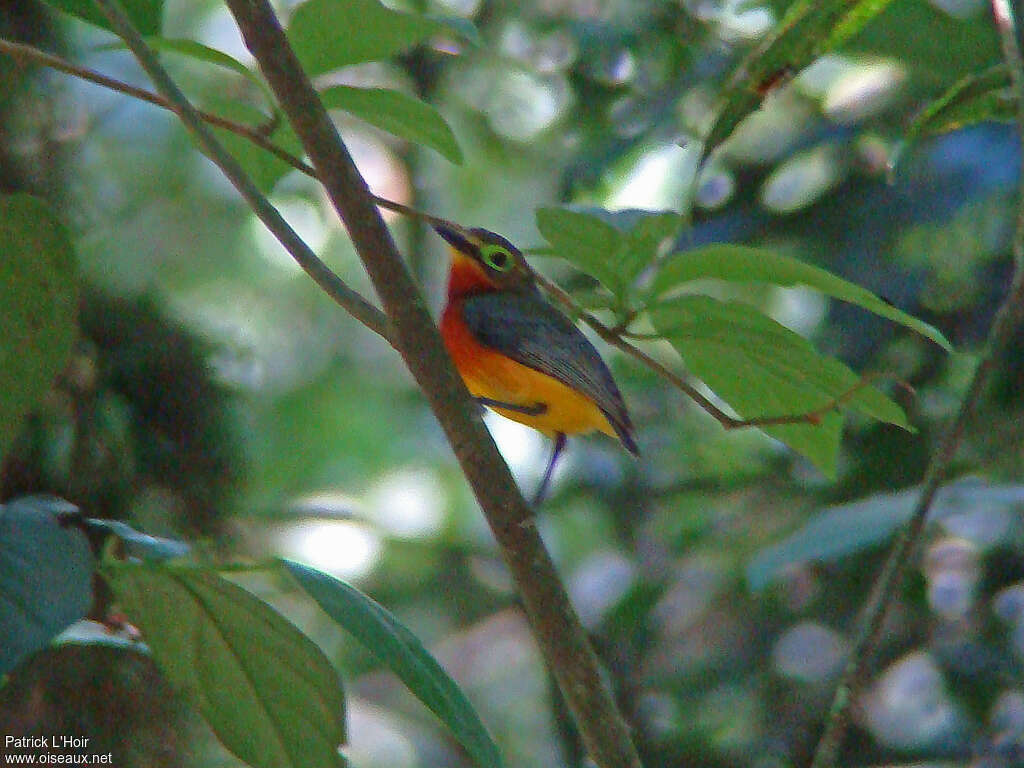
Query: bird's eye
497	257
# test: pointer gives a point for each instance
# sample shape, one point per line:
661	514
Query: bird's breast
492	375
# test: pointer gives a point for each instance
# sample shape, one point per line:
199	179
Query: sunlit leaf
146	15
849	528
398	114
38	303
45	575
977	98
761	368
809	29
612	248
382	634
745	264
329	34
266	690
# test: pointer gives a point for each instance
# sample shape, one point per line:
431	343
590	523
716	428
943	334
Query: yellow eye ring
497	257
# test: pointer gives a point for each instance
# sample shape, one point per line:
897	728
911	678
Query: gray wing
529	330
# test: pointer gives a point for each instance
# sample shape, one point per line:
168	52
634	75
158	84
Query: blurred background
218	396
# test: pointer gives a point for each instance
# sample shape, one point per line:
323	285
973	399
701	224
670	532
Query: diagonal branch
556	626
329	282
1004	325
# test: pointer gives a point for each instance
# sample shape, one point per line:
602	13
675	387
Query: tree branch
557	628
329	282
1007	319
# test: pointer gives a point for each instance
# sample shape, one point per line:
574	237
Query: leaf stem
1005	323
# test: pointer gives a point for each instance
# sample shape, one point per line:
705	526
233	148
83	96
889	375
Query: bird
520	356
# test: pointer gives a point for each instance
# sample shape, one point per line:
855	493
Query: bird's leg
528	410
542	489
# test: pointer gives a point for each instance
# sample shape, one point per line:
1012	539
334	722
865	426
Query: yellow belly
496	377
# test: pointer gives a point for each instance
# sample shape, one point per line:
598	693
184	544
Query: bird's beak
456	238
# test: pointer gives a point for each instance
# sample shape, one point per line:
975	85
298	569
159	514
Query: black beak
455	237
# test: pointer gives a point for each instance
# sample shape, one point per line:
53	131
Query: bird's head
481	258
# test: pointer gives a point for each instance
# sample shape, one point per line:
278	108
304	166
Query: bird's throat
466	277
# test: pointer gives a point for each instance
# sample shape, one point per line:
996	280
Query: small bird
520	356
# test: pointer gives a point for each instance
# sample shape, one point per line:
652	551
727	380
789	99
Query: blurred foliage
324	451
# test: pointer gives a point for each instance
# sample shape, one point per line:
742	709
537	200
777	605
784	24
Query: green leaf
459	26
585	241
943	47
763	369
398	114
138	544
199	52
330	34
809	29
146	15
744	264
262	167
848	528
265	689
398	648
644	240
977	98
614	248
45	575
39	304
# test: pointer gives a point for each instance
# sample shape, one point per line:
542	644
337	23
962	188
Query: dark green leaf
585	241
141	545
398	114
744	264
614	248
146	15
266	690
849	528
45	575
809	29
977	98
398	648
330	34
943	47
38	301
762	368
644	240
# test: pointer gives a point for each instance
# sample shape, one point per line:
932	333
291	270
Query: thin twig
329	282
1006	320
